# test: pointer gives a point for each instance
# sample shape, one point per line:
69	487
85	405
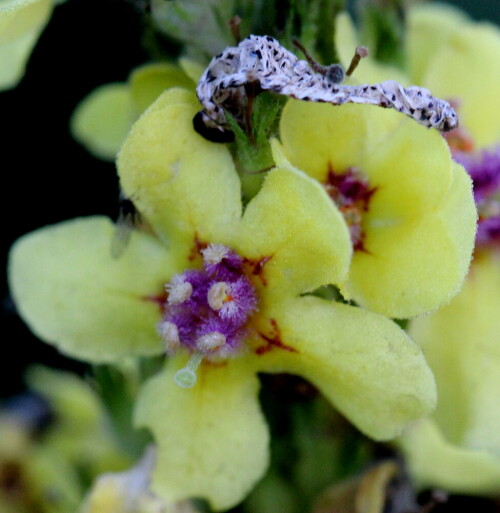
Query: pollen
218	294
214	254
170	335
178	290
211	341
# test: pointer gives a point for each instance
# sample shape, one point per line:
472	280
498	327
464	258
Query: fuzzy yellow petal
212	439
292	222
21	22
193	69
103	119
435	462
315	135
409	180
185	186
173	96
430	27
346	38
462	345
384	146
149	81
467	69
418	265
362	362
74	295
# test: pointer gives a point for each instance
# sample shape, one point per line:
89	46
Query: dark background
49	177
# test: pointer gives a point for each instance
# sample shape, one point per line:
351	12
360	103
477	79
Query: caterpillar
260	63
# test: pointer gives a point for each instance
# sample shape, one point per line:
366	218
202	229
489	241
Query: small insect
260	63
129	218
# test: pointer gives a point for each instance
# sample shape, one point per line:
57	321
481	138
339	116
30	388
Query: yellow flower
409	207
229	293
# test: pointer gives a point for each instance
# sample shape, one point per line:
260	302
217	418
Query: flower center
351	192
207	310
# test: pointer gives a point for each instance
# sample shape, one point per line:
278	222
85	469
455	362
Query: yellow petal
346	38
102	120
149	81
194	70
435	462
73	294
174	96
461	343
362	362
21	22
430	27
418	265
410	181
184	185
315	135
293	222
466	69
212	439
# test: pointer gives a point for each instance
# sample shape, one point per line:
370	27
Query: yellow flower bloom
409	207
229	293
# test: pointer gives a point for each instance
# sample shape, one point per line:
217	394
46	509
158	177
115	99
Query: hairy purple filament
484	169
206	310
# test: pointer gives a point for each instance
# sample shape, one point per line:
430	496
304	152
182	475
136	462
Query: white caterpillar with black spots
261	63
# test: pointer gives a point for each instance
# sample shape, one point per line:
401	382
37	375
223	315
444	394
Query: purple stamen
222	262
488	231
484	169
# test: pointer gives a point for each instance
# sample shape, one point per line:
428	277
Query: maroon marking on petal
351	193
159	299
273	341
258	267
197	248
